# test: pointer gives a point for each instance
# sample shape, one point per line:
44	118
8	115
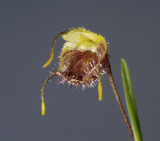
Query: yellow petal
49	60
43	108
51	54
79	35
85	40
100	91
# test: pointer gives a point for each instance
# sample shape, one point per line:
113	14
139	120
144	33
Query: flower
83	59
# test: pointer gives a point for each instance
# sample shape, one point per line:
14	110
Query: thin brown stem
118	99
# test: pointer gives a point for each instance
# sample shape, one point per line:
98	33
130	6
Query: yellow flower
83	59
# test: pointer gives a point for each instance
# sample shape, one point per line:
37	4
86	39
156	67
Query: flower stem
118	98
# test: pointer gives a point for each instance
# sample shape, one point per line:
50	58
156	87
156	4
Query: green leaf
130	101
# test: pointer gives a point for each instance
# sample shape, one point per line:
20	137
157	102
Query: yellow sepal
79	35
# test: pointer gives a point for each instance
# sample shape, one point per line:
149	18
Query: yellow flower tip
100	91
43	108
49	61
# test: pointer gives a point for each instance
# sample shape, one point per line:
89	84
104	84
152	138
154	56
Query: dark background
27	29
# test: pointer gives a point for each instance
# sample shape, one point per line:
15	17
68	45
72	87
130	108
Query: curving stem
118	98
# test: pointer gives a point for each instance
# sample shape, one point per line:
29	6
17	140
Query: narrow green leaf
130	101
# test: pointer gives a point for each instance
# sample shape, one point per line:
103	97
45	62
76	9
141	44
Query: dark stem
118	98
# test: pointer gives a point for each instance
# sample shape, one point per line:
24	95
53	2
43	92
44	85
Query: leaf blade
130	100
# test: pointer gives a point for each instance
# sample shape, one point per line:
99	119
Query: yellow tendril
43	107
51	54
100	90
49	60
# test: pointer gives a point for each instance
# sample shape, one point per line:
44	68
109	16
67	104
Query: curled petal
49	60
